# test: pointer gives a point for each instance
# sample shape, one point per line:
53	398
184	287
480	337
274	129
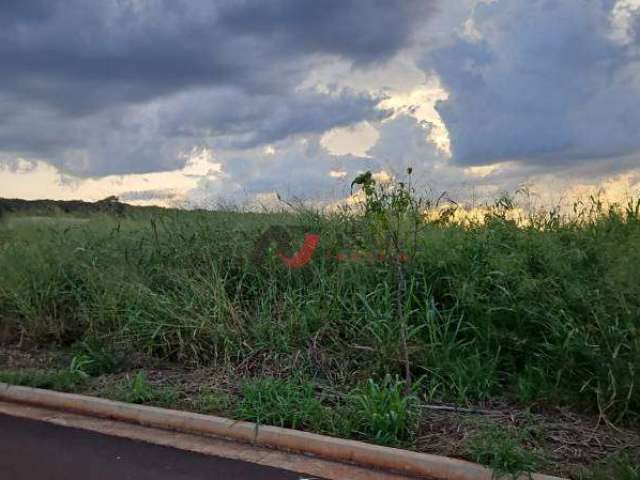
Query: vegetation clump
540	308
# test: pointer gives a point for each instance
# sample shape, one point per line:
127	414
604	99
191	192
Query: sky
201	103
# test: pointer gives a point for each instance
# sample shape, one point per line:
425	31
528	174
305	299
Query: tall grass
544	311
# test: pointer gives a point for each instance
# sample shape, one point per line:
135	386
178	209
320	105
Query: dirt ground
570	440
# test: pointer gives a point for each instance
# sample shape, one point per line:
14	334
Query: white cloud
352	140
34	180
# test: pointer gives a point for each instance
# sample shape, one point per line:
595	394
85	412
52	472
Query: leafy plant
382	412
139	390
79	364
97	357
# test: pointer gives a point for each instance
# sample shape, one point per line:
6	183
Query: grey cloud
545	84
363	30
25	11
80	54
118	86
403	143
301	168
229	122
112	141
145	137
153	194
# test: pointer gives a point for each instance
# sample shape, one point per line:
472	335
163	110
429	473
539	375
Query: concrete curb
349	451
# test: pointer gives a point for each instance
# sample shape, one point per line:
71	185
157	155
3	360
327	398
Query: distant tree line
110	205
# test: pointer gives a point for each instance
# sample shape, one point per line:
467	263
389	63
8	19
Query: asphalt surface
32	450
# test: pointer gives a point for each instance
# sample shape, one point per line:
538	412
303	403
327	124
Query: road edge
321	446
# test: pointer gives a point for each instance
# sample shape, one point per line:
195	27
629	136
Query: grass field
397	309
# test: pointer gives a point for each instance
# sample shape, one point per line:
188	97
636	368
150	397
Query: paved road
31	450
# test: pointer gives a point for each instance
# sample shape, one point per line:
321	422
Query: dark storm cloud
234	123
363	30
83	55
83	82
138	138
544	82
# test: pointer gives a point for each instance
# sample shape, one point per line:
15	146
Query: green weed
139	390
502	449
383	412
619	467
60	380
544	307
284	403
97	358
212	401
